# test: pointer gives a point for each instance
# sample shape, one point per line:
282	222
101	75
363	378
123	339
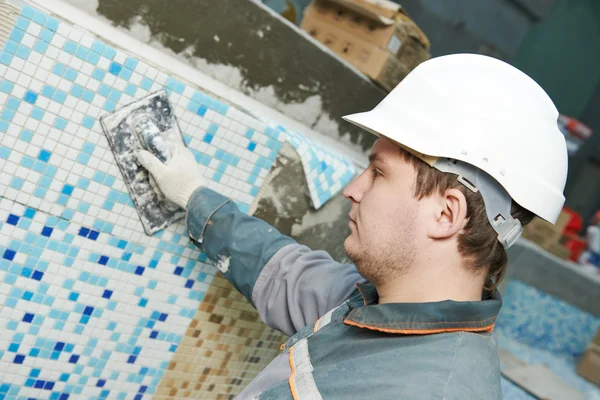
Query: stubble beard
381	262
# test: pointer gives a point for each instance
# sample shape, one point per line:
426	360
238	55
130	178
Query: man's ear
449	214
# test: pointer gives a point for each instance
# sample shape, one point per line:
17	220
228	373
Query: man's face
384	215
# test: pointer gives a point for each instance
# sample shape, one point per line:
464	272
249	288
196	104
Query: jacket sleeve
290	285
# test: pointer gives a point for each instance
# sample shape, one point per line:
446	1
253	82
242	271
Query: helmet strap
496	199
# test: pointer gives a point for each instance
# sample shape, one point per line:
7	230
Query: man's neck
433	281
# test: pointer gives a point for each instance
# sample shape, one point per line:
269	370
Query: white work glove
179	178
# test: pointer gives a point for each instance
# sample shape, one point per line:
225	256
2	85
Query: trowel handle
151	139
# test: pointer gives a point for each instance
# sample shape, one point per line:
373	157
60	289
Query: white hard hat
483	112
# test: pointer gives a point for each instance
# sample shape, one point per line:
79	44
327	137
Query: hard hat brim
428	143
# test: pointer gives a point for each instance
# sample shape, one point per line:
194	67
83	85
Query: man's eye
375	172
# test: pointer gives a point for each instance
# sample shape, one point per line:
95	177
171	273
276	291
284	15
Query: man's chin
347	243
350	248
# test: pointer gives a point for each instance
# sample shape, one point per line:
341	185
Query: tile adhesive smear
145	124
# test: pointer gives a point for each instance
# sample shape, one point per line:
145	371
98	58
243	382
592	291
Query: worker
469	151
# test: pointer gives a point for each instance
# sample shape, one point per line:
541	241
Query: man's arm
290	285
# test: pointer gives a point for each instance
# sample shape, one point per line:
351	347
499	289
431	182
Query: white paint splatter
139	30
260	33
223	263
216	38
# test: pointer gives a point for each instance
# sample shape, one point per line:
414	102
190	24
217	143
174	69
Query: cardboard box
378	64
362	22
416	48
559	250
355	25
383	13
589	364
384	10
364	26
596	339
544	233
391	72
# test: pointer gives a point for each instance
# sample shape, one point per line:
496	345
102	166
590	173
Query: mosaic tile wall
91	306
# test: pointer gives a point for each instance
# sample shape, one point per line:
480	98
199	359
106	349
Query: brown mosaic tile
226	345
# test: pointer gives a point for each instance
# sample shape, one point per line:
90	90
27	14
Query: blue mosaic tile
542	321
115	68
41	46
6	86
16	35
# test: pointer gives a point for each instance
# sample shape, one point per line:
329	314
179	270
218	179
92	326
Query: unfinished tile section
327	171
91	306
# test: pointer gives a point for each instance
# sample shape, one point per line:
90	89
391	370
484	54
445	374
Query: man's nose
355	190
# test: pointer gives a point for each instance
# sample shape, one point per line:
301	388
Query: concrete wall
249	47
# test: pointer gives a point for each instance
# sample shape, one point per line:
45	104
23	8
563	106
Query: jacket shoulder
475	370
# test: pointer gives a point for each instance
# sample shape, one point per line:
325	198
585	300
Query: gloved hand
179	177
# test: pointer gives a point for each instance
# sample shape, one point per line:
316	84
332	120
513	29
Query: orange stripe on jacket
488	328
317	324
292	375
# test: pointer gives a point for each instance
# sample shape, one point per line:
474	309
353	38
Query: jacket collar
422	318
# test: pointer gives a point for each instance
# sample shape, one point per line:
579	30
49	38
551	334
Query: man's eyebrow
376	157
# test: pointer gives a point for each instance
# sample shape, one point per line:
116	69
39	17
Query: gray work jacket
343	344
